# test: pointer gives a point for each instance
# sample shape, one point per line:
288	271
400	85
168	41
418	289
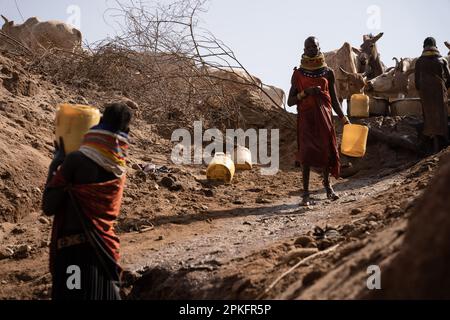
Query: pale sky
267	35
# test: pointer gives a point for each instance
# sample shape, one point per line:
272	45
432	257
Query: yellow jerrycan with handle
354	140
359	106
73	121
221	168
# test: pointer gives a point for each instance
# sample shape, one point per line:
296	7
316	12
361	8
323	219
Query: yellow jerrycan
221	168
72	122
359	106
354	140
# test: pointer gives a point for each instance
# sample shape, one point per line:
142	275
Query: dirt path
225	236
209	245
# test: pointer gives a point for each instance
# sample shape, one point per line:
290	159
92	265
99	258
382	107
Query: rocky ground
185	237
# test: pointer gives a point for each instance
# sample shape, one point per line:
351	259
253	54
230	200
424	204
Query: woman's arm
334	100
446	74
52	200
54	197
293	93
418	75
292	99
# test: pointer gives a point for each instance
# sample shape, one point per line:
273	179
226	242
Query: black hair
429	42
117	116
312	38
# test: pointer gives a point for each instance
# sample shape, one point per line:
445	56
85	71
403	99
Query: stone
324	244
45	243
392	208
408	204
23	276
130	277
346	228
332	234
208	193
394	211
177	171
422	185
127	200
312	277
149	168
131	104
176	187
6	253
22	251
357	232
140	175
261	200
167	182
44	220
356	211
312	245
373	224
19	230
135	166
153	187
6	175
238	201
304	241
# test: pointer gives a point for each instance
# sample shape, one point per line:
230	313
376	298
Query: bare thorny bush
177	71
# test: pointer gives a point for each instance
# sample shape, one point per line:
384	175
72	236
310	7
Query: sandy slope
204	240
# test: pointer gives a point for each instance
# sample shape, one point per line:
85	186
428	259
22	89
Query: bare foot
306	200
331	194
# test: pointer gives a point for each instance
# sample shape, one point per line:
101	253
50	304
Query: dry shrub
176	71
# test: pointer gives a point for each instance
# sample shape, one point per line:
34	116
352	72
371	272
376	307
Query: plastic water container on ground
221	168
73	122
359	106
243	158
354	140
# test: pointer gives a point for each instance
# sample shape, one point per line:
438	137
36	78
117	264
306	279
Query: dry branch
161	58
274	283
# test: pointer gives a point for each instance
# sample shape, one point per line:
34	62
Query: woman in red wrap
84	194
313	91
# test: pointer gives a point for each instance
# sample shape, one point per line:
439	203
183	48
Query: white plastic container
243	158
